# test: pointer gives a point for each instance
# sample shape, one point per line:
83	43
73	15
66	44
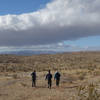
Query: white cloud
60	20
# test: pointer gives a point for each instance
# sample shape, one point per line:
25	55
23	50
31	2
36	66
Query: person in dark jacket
49	78
33	74
57	78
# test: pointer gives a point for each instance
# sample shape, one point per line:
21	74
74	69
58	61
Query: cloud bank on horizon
60	20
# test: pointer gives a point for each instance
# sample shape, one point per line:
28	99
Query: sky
21	6
56	25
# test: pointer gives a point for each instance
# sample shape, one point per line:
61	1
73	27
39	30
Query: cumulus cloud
60	20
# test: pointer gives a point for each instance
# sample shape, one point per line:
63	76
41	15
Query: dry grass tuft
89	92
15	76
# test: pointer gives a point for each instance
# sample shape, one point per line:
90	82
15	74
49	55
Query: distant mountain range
29	52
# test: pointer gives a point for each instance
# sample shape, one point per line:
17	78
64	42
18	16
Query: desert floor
17	86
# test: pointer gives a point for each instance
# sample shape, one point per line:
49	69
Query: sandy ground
19	88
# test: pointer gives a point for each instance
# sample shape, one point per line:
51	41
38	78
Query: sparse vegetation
80	76
88	92
65	61
15	76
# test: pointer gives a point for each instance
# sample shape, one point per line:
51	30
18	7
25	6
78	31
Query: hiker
33	74
49	78
57	78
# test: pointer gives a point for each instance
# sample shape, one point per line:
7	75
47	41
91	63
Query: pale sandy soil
19	88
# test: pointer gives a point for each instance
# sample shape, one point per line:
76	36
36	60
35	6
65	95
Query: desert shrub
82	76
97	73
15	76
89	92
23	84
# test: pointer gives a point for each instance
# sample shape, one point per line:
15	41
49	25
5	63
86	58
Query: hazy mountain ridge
29	52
